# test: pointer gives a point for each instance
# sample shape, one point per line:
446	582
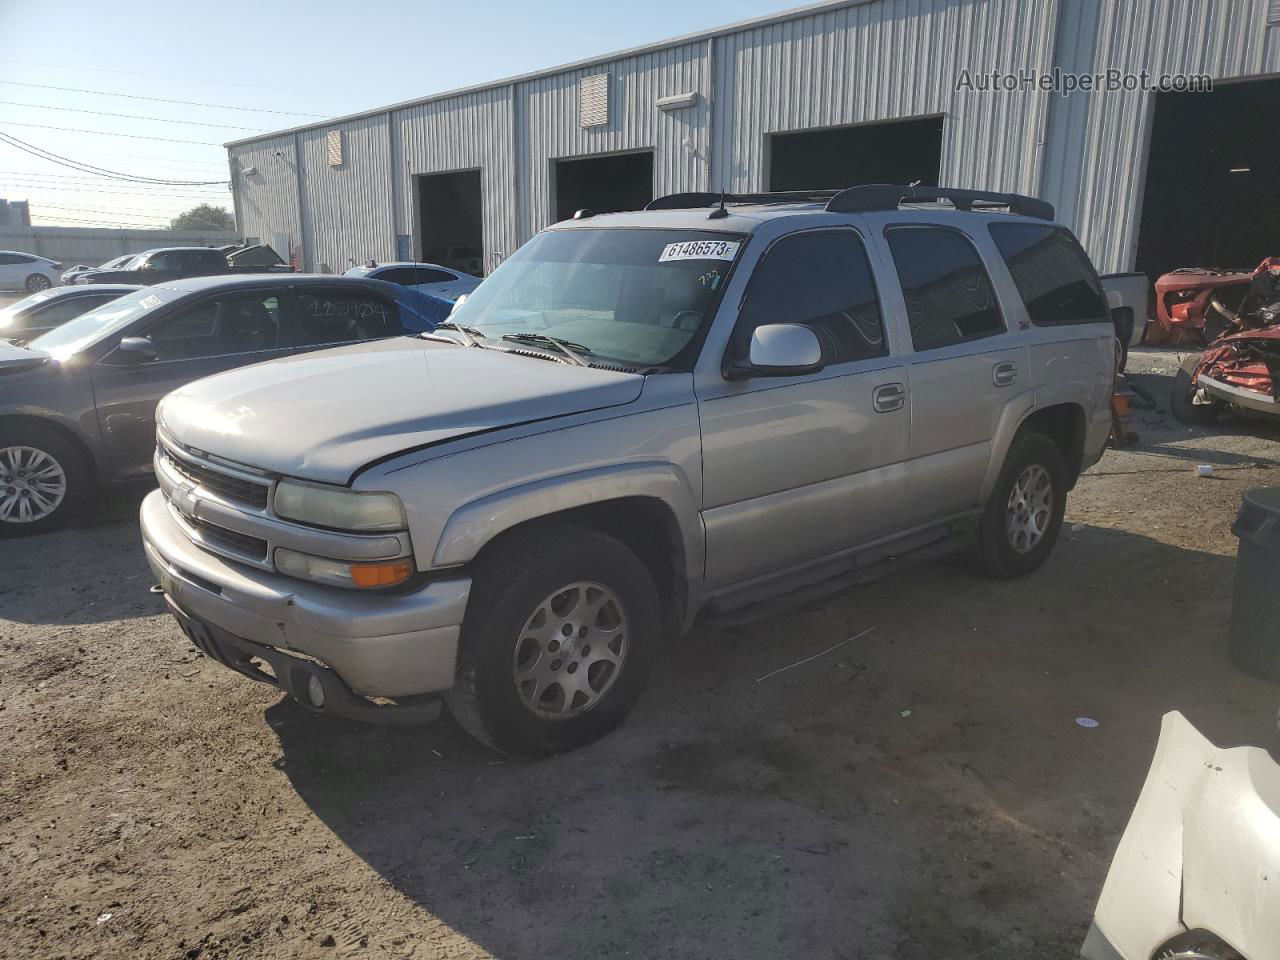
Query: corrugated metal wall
885	61
855	62
1102	141
473	131
548	112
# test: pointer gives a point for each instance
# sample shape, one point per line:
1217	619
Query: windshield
8	313
74	335
633	296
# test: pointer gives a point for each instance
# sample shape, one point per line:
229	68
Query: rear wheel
561	630
1181	393
1024	514
37	282
43	479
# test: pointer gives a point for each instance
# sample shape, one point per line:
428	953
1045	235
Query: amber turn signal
369	575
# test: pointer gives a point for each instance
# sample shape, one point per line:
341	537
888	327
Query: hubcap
570	651
39	282
1030	507
32	484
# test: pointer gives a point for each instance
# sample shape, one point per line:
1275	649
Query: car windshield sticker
699	250
149	302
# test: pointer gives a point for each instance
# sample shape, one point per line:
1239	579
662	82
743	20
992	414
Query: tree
203	217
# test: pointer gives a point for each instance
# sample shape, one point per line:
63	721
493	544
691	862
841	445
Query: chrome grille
249	492
211	533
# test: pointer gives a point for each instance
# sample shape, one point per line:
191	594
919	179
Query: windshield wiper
468	334
566	347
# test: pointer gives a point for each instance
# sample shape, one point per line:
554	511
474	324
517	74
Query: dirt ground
922	792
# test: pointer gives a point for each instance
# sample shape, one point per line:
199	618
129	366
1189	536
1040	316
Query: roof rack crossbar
689	201
885	196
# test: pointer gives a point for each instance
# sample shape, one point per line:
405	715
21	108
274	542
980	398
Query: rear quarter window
1053	274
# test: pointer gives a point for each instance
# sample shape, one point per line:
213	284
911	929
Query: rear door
196	339
14	270
963	368
329	316
798	468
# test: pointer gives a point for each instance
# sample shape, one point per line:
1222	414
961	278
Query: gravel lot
922	792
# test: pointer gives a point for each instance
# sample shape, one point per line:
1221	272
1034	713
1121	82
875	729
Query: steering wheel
693	318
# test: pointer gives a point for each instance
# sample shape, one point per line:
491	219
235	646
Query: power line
132	116
107	133
36	189
83	167
110	186
188	103
167	76
129	213
105	223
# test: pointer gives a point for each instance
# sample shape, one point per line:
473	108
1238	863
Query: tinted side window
11	258
820	279
948	293
422	275
164	261
1052	273
340	316
248	323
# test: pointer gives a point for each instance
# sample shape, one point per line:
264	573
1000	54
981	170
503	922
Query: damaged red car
1240	367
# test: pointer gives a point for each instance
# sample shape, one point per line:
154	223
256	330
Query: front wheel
43	479
1024	514
560	633
37	282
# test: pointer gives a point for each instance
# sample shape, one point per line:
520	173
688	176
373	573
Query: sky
88	81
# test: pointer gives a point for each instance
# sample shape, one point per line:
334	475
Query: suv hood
322	416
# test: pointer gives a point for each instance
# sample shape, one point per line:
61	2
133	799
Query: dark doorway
901	151
451	220
1212	197
604	184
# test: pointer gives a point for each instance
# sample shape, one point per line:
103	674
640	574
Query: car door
327	315
798	468
196	339
963	368
14	270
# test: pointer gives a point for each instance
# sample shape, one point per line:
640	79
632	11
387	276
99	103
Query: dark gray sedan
77	405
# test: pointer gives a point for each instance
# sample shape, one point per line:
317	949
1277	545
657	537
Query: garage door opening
901	151
604	184
451	221
1211	198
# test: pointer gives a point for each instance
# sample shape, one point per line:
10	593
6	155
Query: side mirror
782	350
136	350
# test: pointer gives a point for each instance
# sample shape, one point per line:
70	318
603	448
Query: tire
1008	547
513	629
65	480
1196	415
37	282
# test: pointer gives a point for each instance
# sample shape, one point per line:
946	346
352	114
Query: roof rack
867	198
886	196
687	201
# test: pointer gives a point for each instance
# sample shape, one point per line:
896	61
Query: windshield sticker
149	302
699	250
711	278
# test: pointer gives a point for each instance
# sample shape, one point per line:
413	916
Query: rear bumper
379	645
1241	397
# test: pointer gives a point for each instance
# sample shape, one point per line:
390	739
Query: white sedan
26	271
430	278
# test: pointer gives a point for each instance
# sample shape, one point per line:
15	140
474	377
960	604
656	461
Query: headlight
338	508
340	573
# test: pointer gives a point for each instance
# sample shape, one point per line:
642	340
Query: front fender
477	522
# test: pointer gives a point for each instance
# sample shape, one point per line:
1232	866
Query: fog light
315	691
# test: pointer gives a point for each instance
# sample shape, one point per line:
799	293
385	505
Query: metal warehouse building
853	91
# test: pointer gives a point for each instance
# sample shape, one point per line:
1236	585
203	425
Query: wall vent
593	100
333	146
1273	12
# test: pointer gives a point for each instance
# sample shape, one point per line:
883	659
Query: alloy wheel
32	484
571	651
1030	508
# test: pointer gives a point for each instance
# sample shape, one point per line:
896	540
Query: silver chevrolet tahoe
709	406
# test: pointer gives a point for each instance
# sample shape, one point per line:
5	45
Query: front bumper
1241	397
384	645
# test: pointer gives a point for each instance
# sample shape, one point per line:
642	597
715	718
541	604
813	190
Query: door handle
889	397
1004	373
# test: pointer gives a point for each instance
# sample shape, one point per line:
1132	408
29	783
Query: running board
798	591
